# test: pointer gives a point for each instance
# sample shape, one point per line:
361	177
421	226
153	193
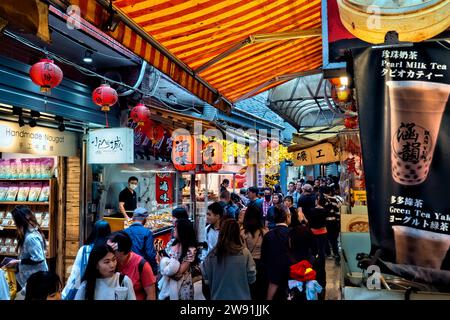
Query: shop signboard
111	145
164	188
37	140
321	153
403	97
359	195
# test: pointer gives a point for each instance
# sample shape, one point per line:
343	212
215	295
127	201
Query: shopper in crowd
297	216
30	246
317	223
224	185
298	188
241	217
277	189
277	200
99	234
133	266
213	219
333	224
179	213
252	194
292	192
142	238
275	256
128	198
243	195
236	199
229	269
101	280
267	202
43	285
253	232
307	200
230	209
184	249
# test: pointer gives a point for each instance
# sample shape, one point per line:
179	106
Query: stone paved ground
333	280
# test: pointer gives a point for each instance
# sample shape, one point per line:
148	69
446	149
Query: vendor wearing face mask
128	198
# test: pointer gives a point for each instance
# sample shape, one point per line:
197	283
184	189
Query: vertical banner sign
403	96
164	188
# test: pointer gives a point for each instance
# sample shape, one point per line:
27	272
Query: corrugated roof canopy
229	48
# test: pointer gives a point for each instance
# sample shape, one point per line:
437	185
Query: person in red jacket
134	266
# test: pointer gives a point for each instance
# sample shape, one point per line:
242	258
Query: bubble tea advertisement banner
403	96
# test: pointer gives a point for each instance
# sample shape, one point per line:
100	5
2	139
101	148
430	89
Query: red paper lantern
264	144
274	144
105	96
183	153
46	74
140	114
351	123
212	157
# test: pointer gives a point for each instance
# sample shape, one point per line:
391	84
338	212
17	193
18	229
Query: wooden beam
288	35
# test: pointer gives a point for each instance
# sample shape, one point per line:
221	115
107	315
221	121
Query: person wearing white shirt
101	281
99	234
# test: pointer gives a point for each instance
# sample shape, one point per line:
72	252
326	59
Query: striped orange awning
219	48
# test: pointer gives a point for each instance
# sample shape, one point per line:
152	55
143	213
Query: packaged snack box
12	192
24	190
4	186
33	168
14	168
35	191
25	168
43	197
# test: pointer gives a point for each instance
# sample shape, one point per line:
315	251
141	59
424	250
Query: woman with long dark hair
30	245
184	249
277	200
99	234
253	233
229	268
101	281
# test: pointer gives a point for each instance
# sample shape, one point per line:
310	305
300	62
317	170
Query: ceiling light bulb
87	57
344	81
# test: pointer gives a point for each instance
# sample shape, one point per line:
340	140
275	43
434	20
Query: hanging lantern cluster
343	97
46	74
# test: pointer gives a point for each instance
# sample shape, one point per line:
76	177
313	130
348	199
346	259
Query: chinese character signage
403	96
112	145
38	140
164	188
322	153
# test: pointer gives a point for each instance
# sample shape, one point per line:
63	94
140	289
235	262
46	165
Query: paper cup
420	247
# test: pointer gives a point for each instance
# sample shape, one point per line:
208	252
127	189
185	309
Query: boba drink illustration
416	113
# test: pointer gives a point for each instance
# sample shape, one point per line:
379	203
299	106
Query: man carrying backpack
133	266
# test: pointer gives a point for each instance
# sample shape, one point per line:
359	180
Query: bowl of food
358	225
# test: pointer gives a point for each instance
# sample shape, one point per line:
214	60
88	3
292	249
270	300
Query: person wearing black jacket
275	256
317	223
